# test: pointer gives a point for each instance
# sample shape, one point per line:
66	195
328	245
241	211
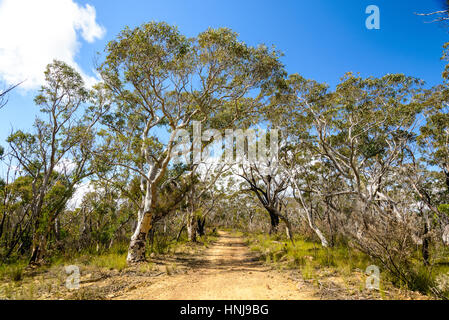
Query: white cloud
77	198
34	32
65	166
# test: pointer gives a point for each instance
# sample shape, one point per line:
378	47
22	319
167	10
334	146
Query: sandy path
227	270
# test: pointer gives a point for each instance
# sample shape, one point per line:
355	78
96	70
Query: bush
16	273
13	271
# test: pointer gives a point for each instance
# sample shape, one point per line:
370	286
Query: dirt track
227	270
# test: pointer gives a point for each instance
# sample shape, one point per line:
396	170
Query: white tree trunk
310	221
191	228
446	235
137	247
287	232
317	231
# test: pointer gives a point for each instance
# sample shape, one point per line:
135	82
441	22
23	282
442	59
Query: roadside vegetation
343	268
106	266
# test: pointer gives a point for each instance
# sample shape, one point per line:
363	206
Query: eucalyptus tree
300	160
434	134
159	81
433	141
58	153
203	195
267	180
361	131
310	183
429	174
361	128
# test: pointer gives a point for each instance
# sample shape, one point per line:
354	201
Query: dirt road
227	270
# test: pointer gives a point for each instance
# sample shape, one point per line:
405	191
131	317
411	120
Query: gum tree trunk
137	246
274	219
191	228
277	215
315	229
201	222
445	237
426	240
309	217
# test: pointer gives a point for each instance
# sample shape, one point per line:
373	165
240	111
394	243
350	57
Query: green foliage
444	208
54	157
162	244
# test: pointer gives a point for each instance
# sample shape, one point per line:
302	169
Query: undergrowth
311	260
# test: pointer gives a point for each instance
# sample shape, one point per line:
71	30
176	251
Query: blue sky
321	39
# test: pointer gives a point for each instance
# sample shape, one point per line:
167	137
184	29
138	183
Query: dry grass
338	273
